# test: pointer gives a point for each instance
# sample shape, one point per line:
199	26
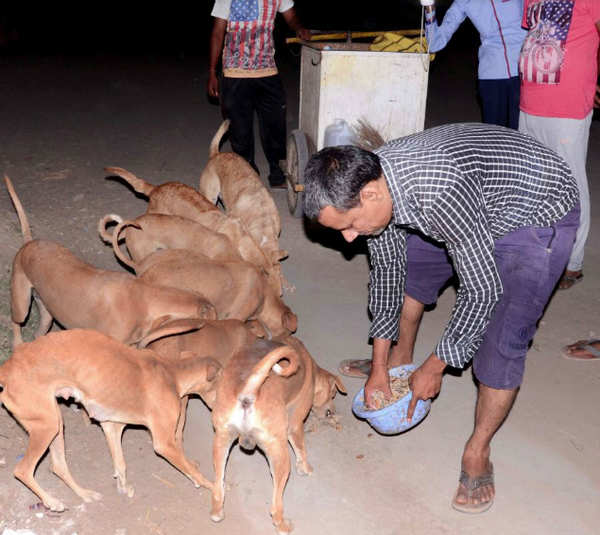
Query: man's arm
295	25
216	48
439	35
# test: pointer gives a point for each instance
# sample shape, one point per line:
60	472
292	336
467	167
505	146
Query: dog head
326	387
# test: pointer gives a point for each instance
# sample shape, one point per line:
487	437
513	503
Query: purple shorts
530	262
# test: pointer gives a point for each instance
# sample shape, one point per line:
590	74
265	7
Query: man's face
369	218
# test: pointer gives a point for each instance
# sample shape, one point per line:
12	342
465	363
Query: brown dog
78	295
173	198
237	290
231	178
153	232
268	410
117	385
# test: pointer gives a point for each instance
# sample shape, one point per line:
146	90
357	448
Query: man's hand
379	379
212	87
425	382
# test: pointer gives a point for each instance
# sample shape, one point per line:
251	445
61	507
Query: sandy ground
63	119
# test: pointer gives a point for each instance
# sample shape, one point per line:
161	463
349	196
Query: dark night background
132	29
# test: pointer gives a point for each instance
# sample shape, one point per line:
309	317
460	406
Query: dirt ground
63	119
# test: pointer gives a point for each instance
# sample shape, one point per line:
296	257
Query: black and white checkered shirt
465	185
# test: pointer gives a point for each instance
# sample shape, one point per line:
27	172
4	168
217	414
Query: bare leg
492	409
410	319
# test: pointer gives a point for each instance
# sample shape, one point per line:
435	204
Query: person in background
243	34
499	25
559	71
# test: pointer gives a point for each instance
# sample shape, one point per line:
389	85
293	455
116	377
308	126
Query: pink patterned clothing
558	64
248	51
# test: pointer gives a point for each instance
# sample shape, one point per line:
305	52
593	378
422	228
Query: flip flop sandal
583	345
568	281
360	368
472	484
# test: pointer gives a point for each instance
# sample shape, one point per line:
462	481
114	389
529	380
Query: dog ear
276	256
256	328
339	385
290	321
164	326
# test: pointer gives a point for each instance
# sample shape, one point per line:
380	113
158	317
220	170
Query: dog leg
221	444
296	438
163	431
181	421
278	455
42	429
60	468
113	432
45	318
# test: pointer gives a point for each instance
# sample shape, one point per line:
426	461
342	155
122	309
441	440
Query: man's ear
369	191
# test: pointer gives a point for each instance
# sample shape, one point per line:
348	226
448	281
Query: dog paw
303	469
54	505
217	515
90	496
284	527
123	488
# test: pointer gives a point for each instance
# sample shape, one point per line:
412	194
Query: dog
78	295
117	385
173	198
229	177
153	232
237	290
265	409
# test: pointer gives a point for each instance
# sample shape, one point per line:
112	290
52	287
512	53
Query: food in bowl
400	388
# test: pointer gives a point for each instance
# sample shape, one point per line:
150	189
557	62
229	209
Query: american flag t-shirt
543	51
249	48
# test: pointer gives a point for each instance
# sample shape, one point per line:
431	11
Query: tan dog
268	410
153	232
231	178
173	198
78	295
117	385
237	290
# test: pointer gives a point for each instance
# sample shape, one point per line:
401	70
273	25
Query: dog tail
138	184
102	222
216	141
262	369
25	228
115	243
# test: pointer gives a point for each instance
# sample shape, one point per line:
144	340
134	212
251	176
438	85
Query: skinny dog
267	410
78	295
117	385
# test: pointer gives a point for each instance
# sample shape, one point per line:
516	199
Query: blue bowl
392	419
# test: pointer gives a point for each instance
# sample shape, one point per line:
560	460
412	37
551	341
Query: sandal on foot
569	279
355	368
471	484
586	346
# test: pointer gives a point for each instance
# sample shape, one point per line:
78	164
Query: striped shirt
464	185
248	50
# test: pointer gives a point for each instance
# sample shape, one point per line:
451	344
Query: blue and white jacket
499	25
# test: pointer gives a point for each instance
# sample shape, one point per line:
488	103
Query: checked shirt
464	185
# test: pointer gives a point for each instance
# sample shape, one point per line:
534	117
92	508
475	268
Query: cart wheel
297	158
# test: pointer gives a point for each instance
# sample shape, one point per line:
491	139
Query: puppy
237	290
267	409
116	384
78	295
231	178
153	232
173	198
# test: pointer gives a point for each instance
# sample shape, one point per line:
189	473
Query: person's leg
237	103
410	318
494	101
569	139
514	97
528	279
271	110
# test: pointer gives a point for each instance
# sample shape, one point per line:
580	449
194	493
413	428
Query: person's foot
277	179
569	279
586	350
476	490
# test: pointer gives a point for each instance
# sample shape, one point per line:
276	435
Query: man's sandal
471	484
584	346
360	368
